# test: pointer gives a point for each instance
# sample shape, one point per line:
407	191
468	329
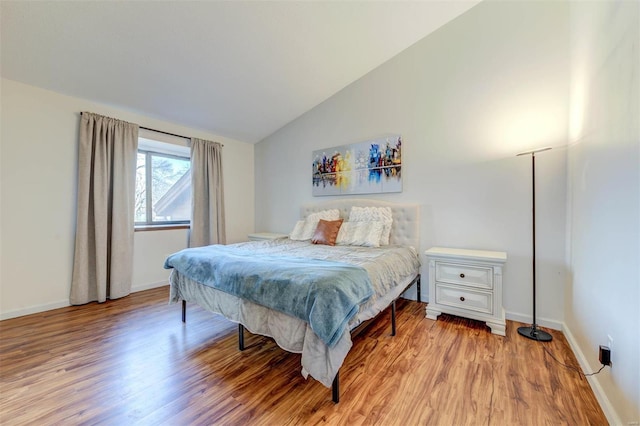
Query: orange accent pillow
327	232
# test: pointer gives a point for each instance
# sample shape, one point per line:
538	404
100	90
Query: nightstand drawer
467	275
479	301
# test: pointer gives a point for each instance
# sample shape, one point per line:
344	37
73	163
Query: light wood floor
132	361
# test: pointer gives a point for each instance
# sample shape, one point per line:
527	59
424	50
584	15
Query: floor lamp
533	332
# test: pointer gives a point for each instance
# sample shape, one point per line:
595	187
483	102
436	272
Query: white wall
466	99
38	186
603	287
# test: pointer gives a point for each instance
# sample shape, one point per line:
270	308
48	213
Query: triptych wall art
369	167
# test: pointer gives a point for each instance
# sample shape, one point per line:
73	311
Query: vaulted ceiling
240	69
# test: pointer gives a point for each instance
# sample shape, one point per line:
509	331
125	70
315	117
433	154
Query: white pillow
360	234
309	228
297	232
304	229
374	214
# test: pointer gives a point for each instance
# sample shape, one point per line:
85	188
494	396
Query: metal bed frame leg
418	288
184	311
393	318
241	337
335	388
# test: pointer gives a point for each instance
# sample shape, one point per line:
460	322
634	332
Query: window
163	184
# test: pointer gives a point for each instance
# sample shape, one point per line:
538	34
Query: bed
231	281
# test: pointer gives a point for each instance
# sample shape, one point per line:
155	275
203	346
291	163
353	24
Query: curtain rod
166	133
160	131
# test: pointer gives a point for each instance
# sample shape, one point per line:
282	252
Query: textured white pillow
297	232
304	229
374	214
360	234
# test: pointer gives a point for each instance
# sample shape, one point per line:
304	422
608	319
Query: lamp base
534	333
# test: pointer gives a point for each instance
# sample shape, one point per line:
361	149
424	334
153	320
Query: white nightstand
467	283
262	236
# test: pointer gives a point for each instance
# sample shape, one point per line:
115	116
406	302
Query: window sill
143	228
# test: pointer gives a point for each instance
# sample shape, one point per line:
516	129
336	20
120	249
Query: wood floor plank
132	361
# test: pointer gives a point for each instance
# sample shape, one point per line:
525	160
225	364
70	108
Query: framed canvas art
370	167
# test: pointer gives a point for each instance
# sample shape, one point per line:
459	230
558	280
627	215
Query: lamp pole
533	332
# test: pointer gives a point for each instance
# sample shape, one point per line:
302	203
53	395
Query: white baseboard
544	322
610	413
142	287
64	303
34	309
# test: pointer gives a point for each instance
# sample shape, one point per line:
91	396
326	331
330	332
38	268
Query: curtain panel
103	259
207	200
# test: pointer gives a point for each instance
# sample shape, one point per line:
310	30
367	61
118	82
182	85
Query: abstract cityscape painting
369	167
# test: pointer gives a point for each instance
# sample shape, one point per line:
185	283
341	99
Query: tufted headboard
405	229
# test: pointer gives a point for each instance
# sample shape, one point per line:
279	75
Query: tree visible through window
163	189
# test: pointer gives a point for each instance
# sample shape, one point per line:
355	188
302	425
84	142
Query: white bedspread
390	268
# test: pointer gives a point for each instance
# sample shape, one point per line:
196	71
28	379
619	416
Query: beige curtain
207	213
103	260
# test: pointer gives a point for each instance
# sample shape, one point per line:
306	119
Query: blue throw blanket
325	294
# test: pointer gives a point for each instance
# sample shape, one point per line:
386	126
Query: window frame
149	223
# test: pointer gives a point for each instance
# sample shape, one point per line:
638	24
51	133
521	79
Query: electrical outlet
604	355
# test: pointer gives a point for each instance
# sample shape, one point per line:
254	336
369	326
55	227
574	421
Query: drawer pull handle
461	275
462	298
